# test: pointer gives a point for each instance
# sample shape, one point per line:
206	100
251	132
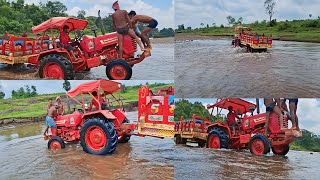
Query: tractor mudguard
105	113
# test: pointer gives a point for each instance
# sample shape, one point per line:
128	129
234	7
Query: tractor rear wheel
98	137
124	139
56	143
259	145
280	150
217	139
56	67
119	69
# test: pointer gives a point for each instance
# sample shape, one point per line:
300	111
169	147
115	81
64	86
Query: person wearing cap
120	21
50	123
65	41
61	106
152	24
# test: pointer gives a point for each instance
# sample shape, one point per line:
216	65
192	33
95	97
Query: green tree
34	90
2	94
270	5
55	8
66	85
81	14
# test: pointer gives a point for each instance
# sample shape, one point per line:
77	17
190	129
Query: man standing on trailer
152	24
271	106
120	21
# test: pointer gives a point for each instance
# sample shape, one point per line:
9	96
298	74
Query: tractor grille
134	43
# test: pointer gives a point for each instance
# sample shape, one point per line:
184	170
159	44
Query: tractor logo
72	121
260	119
90	45
155	108
107	40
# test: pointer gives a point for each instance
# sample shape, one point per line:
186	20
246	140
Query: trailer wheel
124	139
56	67
217	139
56	143
259	145
179	140
280	150
119	70
98	137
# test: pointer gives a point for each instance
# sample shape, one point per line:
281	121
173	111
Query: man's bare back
141	18
52	112
268	101
120	19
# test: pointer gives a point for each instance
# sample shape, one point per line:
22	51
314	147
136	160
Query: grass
296	30
35	107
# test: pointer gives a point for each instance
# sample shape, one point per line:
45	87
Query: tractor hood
107	86
236	103
59	22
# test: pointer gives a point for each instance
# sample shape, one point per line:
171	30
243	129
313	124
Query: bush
311	23
284	26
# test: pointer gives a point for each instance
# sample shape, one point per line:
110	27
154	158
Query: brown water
203	163
213	68
159	66
24	155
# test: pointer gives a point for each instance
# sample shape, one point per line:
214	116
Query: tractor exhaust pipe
258	105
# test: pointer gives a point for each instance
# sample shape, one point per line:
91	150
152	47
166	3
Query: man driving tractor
65	41
95	103
231	119
120	21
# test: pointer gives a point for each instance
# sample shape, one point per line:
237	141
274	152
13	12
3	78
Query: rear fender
221	126
104	114
60	52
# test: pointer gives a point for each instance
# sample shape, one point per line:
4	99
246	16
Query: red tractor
99	131
55	62
249	134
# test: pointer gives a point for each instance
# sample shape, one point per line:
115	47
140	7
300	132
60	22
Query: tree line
16	17
24	92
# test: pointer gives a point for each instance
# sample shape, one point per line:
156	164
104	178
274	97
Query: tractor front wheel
56	67
217	139
56	143
98	137
280	150
259	145
119	70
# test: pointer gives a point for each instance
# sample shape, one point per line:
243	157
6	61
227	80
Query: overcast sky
308	112
161	10
56	86
193	12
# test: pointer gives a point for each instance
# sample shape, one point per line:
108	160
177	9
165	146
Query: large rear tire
259	145
119	70
280	150
98	137
56	67
56	143
217	139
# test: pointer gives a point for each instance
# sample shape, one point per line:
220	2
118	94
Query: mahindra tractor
99	130
248	134
54	62
252	41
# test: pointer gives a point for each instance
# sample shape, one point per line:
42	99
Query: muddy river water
159	66
213	68
24	154
203	163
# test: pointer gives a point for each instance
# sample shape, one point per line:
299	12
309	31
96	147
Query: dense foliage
187	109
24	92
2	94
309	141
12	12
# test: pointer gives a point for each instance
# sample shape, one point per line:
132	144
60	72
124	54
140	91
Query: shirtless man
50	123
120	21
293	103
50	104
134	19
271	106
61	106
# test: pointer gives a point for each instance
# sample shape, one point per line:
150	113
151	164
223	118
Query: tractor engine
106	45
68	126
